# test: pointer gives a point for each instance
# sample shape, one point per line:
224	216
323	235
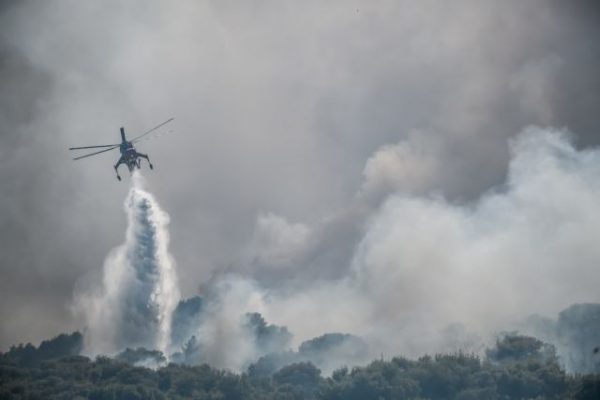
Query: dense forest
518	367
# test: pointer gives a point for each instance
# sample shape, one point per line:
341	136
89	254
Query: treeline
517	368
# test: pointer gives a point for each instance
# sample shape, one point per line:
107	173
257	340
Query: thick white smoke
428	275
225	341
139	291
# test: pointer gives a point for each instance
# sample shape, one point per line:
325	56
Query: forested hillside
518	367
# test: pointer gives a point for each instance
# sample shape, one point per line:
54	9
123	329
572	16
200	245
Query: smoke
224	337
133	306
423	274
425	267
575	334
280	123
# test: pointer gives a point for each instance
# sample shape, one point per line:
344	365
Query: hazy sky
294	122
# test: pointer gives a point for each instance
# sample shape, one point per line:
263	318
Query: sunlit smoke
429	275
139	291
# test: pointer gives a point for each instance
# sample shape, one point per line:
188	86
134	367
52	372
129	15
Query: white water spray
139	291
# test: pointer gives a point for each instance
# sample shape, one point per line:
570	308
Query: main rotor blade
92	147
97	152
135	139
155	135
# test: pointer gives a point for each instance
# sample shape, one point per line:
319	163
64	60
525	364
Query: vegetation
519	368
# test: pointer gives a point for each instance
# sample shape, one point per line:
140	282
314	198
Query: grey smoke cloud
424	264
279	106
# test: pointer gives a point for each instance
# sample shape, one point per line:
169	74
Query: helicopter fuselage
129	155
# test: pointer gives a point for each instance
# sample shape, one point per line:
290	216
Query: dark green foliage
186	318
532	380
379	380
62	345
513	347
460	377
302	378
327	351
331	347
451	377
328	341
190	354
268	364
141	356
268	338
588	388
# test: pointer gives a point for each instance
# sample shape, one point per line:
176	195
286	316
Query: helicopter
129	155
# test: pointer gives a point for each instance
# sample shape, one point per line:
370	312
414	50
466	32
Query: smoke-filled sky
319	148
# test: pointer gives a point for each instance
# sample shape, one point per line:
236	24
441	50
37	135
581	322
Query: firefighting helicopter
129	155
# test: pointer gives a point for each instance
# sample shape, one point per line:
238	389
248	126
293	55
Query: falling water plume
139	290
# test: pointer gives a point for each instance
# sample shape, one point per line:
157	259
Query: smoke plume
422	274
134	304
429	275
